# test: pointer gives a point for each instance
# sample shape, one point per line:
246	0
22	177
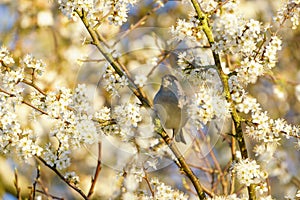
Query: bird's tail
179	136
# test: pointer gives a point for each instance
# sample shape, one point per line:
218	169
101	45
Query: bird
170	105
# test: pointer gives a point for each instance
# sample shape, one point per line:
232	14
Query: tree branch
144	101
226	89
184	166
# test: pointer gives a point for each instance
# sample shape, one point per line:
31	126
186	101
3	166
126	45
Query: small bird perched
169	103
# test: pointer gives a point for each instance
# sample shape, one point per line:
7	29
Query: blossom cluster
164	191
249	71
113	81
185	60
5	58
186	30
290	10
189	60
233	34
94	10
249	172
235	197
229	197
124	123
119	10
206	105
58	158
69	112
127	115
268	133
68	8
72	178
13	138
264	128
270	52
114	11
132	180
70	109
209	6
160	190
37	65
73	125
103	114
10	75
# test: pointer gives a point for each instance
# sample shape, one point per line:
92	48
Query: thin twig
78	190
44	189
165	56
217	164
26	103
295	181
208	170
49	195
233	155
97	171
32	84
91	60
207	162
149	185
215	160
16	184
136	25
35	182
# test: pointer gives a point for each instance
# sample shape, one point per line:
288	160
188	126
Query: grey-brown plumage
169	103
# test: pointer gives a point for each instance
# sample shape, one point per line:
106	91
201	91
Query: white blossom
206	105
27	146
131	183
127	114
270	53
140	80
112	81
29	61
249	172
71	177
5	58
103	114
186	30
164	191
289	10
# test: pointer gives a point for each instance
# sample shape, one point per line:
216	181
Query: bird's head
170	82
